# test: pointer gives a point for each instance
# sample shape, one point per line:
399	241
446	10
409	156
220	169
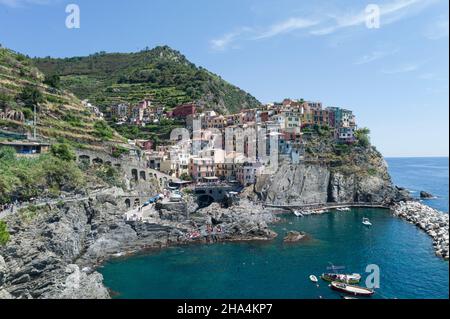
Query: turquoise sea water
404	254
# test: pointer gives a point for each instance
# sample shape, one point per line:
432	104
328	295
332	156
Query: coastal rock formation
294	236
51	254
426	195
81	285
2	270
365	180
5	295
433	222
295	185
246	221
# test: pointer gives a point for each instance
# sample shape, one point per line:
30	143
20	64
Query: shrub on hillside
4	234
53	81
362	136
103	131
31	96
63	151
24	178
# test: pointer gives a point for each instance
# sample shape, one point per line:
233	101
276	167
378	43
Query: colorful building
182	111
200	168
247	173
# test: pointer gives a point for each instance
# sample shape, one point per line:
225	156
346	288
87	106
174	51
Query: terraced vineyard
60	113
162	74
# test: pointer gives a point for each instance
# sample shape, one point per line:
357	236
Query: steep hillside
60	113
161	73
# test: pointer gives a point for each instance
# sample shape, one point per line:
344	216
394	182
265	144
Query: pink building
200	168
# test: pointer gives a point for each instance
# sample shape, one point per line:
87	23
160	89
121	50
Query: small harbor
240	269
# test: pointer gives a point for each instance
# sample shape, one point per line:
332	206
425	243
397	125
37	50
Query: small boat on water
344	278
348	297
297	213
313	278
366	222
343	209
352	290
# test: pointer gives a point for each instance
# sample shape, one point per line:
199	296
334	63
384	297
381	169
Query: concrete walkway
329	206
7	212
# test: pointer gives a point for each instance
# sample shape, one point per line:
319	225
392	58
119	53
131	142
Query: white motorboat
297	213
313	278
366	222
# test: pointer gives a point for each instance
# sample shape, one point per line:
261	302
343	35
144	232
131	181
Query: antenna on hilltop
35	123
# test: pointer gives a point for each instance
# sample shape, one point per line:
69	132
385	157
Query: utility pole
34	129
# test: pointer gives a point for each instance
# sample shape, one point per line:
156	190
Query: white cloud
228	39
402	69
375	55
327	23
389	13
286	26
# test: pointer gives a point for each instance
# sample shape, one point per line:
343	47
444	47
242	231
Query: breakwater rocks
433	222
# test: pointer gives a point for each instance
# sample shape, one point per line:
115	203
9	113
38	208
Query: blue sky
394	77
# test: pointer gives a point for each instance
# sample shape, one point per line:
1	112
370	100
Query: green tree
63	151
31	96
4	234
362	136
61	175
53	81
186	177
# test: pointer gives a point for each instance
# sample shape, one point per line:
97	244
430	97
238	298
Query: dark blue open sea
403	253
428	174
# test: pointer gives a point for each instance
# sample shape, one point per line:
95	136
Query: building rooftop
24	143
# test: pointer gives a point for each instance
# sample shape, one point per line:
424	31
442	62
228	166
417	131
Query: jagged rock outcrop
294	236
2	270
426	195
81	285
5	295
295	185
246	221
360	189
364	180
52	254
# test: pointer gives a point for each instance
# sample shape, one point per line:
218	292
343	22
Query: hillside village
216	159
192	142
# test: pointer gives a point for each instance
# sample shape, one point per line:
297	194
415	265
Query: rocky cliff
53	252
363	178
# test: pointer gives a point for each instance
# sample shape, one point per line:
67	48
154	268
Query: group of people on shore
211	232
